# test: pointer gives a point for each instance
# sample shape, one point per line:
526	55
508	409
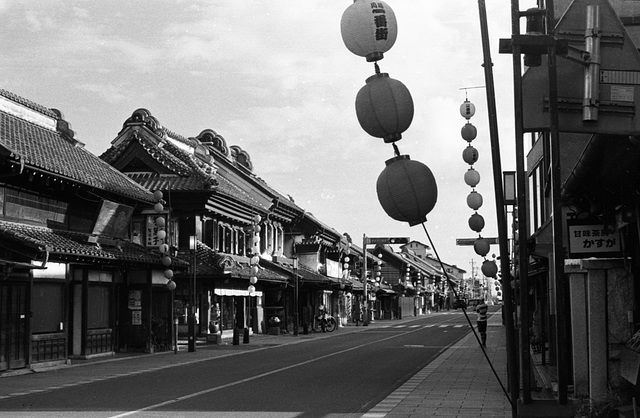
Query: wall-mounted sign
593	241
135	299
386	240
136	317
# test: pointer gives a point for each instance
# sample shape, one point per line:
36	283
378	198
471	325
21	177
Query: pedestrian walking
482	309
357	313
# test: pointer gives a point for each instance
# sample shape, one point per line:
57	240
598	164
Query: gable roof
37	138
178	164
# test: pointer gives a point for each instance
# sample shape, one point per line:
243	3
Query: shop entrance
13	326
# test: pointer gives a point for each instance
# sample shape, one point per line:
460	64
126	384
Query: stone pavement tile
459	383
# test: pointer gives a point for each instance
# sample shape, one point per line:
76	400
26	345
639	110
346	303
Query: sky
276	79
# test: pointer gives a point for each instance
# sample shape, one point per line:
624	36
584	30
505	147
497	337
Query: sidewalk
457	383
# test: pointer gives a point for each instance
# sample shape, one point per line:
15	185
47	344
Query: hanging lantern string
395	149
464	310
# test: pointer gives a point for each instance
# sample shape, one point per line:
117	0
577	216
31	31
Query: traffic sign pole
365	310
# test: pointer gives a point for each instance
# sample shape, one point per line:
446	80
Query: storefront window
99	307
47	307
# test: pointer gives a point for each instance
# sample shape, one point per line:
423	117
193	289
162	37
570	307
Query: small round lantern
407	190
470	155
476	222
481	246
253	280
489	268
168	273
384	107
369	29
467	109
469	132
160	221
474	200
166	261
157	195
171	285
472	177
158	207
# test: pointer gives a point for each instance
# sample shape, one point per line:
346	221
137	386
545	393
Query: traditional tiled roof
64	245
28	103
210	263
49	151
190	173
266	272
310	276
421	265
166	182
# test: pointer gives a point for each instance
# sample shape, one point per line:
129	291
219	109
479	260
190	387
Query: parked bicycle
327	322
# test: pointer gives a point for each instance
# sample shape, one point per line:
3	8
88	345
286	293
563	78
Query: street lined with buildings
346	373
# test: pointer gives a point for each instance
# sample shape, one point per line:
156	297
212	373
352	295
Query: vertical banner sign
151	239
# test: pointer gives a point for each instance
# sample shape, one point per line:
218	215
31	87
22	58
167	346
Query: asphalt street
339	374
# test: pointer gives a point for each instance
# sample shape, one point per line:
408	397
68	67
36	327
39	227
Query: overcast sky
276	79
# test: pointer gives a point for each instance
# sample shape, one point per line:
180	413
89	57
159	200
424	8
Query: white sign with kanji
588	240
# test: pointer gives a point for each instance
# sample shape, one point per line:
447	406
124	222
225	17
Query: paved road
342	374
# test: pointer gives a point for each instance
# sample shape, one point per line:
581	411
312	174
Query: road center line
248	379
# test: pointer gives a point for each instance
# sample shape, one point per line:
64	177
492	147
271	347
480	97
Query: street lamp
191	320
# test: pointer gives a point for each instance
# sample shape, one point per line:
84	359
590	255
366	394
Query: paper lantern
171	285
369	29
407	190
481	246
476	222
168	273
474	200
384	107
472	177
158	207
160	221
166	261
467	109
470	155
469	132
157	195
489	268
162	234
253	280
251	289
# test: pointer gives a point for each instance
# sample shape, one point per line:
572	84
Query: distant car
459	303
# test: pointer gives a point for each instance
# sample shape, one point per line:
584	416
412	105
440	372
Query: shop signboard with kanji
593	240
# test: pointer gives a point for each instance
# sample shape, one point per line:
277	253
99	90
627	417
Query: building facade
73	282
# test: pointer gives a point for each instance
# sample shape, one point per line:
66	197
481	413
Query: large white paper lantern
369	29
